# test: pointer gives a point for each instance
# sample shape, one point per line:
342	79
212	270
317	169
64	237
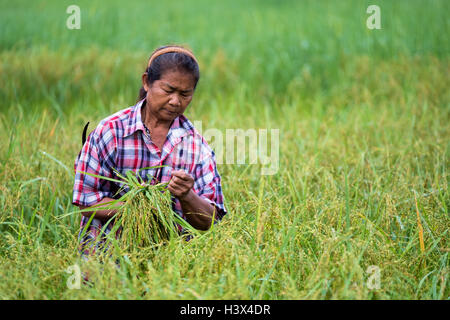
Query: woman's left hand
180	184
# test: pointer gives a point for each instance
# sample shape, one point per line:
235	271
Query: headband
170	49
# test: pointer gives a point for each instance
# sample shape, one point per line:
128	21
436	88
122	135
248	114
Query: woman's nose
175	100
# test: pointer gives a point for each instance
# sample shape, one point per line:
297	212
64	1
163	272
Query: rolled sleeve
87	189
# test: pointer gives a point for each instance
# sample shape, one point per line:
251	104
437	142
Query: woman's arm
198	211
101	214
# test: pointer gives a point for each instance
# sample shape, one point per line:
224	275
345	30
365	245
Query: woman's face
169	96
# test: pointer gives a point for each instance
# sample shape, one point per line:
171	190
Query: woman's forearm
101	214
197	210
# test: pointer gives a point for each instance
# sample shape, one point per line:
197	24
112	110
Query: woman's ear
144	81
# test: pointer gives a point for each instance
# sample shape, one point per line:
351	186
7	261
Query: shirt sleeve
208	185
92	159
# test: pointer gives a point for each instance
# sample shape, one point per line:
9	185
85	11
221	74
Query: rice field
358	206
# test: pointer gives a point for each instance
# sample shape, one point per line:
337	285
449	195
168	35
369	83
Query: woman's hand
198	211
180	184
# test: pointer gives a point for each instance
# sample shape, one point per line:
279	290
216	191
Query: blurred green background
269	48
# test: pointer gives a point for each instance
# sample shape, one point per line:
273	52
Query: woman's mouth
171	112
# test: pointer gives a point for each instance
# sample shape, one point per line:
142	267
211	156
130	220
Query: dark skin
167	98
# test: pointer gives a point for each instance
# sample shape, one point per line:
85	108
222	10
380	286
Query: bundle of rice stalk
146	217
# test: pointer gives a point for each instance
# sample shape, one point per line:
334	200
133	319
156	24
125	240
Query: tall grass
363	174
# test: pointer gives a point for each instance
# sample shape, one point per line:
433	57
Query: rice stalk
146	216
147	219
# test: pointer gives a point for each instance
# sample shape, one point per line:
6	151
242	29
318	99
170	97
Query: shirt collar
134	120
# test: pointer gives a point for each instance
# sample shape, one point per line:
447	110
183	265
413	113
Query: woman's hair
169	61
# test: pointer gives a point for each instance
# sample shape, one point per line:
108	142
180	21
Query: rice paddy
358	208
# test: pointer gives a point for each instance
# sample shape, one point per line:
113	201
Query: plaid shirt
121	142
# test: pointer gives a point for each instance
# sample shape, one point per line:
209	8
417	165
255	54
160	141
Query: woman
153	132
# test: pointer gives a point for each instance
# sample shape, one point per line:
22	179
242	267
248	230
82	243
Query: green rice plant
144	213
147	219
